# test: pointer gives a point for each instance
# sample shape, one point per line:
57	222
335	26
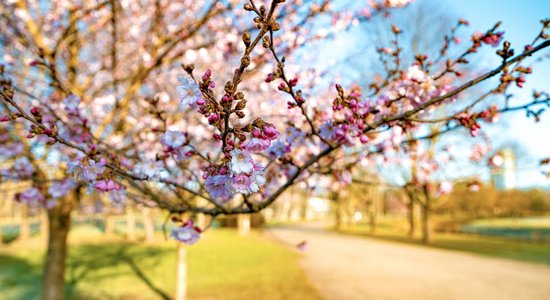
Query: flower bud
247	38
241	105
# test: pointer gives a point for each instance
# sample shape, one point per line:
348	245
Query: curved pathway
345	267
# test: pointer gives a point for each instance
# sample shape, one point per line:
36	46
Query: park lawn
222	265
396	230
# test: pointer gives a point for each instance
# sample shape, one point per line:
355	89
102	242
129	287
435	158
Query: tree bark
337	216
304	208
24	227
410	217
148	225
53	280
372	220
130	223
44	227
243	223
109	225
181	275
426	232
1	231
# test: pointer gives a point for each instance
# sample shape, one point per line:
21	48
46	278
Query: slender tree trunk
181	275
109	225
25	227
426	233
148	224
1	231
337	216
130	223
243	223
202	220
410	217
53	280
372	220
304	208
44	227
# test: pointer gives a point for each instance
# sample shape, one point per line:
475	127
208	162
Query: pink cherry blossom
256	145
23	167
188	90
107	185
87	169
31	196
241	161
188	233
174	139
445	188
218	187
270	131
61	188
117	196
148	169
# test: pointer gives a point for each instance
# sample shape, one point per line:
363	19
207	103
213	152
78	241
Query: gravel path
347	268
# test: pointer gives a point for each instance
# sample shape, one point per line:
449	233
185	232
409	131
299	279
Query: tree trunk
372	220
337	216
202	221
109	225
25	227
1	232
243	222
181	275
53	280
148	225
130	223
426	234
44	227
410	217
304	208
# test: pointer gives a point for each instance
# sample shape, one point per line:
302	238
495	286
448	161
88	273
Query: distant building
503	174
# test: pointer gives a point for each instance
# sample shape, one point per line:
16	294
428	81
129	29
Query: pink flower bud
213	118
35	110
520	81
269	78
206	75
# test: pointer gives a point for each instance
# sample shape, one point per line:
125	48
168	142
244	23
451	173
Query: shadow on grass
20	277
96	263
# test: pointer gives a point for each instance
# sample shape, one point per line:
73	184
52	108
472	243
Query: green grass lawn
395	229
222	265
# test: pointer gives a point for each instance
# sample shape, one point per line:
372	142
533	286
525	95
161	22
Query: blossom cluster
186	233
238	172
34	197
215	141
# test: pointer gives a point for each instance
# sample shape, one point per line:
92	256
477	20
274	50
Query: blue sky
520	21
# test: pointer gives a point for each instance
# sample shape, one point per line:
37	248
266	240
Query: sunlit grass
395	229
222	265
527	222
